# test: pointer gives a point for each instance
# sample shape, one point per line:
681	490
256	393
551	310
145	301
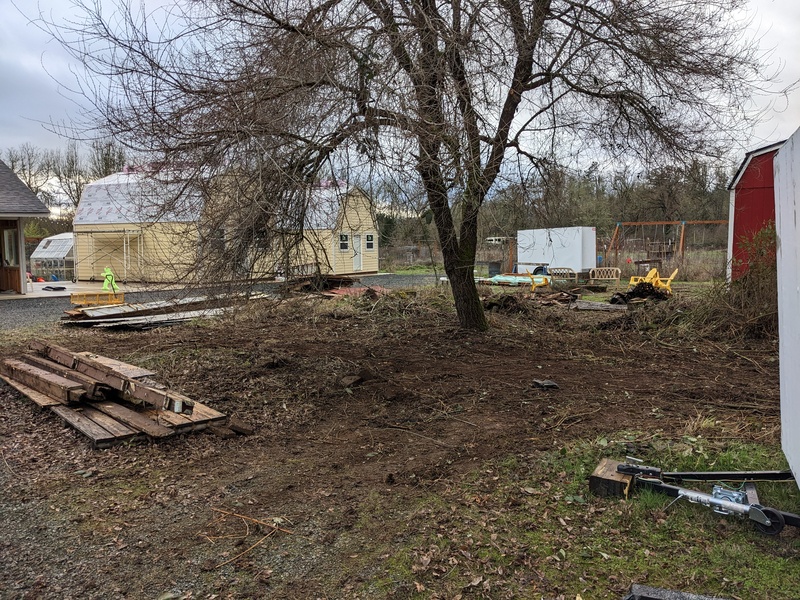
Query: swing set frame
613	244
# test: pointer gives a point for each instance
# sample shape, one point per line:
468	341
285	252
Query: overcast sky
31	64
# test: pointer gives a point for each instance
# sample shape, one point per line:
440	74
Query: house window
344	241
370	242
10	253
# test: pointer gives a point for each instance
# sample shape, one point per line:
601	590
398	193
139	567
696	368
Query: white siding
787	186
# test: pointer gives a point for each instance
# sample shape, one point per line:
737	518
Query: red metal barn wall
787	229
752	206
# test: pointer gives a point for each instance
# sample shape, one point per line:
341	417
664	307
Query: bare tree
33	165
455	92
70	173
105	158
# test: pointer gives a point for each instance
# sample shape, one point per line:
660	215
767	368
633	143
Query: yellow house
144	229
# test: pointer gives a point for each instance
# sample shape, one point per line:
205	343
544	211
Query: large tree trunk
469	307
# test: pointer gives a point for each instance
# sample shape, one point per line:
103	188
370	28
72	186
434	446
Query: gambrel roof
136	197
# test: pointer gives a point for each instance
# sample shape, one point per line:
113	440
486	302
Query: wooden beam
606	481
48	383
120	431
93	387
125	369
39	398
634	223
132	390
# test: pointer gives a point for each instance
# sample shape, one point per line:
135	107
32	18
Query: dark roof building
17	202
16	198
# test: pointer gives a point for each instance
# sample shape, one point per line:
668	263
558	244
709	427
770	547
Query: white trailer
787	224
571	247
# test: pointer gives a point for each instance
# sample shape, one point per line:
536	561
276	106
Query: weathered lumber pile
107	400
144	315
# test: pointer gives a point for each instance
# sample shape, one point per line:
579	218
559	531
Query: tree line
561	197
58	176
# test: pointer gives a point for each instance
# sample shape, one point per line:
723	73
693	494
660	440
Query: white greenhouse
53	259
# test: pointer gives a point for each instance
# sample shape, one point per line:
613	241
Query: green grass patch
527	526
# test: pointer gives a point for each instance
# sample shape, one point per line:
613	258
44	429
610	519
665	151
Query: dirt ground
327	485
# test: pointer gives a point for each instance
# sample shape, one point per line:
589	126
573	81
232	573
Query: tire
776	525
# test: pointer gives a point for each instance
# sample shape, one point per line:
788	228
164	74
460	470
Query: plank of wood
203	413
43	381
134	419
99	436
123	368
120	431
39	398
170	419
60	355
603	306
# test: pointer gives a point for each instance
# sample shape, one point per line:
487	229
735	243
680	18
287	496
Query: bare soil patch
361	408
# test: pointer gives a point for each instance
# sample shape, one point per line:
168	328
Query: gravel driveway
25	312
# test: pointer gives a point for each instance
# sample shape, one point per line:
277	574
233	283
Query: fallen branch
252	520
419	435
230	560
569	416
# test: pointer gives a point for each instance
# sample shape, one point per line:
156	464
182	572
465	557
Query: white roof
325	204
137	198
55	247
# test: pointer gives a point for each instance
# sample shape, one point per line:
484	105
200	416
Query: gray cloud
29	60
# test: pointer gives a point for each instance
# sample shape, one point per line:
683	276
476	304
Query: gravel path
25	312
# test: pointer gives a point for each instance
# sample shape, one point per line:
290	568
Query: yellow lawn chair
658	282
665	284
652	274
538	280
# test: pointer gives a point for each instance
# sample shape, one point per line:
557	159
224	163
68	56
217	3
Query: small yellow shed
341	225
339	235
143	227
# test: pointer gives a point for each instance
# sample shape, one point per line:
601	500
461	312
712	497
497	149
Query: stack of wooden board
106	400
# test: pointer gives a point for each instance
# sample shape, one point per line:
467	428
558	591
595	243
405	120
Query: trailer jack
722	500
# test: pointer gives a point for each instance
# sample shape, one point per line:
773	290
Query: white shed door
787	225
356	252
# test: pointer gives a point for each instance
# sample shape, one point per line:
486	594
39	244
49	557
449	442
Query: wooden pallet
105	399
96	299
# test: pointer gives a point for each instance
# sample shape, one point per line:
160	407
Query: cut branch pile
106	400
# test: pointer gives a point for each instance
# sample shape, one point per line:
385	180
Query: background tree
68	169
58	176
106	157
33	165
454	92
